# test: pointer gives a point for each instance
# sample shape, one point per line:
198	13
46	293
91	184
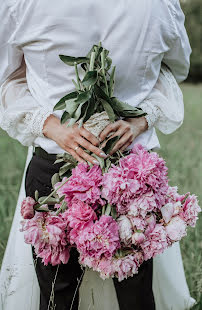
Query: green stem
103	71
44	201
77	75
92	61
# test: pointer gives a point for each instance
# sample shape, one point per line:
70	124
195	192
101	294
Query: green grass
182	152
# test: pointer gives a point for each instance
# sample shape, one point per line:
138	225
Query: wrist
51	126
139	122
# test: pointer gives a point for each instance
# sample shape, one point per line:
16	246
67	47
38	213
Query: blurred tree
193	23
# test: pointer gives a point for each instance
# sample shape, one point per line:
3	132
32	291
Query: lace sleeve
164	106
20	115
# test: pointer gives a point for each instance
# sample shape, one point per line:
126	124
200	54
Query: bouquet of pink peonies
118	214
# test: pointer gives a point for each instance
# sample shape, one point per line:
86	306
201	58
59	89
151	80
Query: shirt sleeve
164	106
20	115
178	56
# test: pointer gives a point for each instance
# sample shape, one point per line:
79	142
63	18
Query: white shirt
138	34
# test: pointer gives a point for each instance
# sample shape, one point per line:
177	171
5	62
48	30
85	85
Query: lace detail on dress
35	121
153	112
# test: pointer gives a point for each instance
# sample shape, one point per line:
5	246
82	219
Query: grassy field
182	151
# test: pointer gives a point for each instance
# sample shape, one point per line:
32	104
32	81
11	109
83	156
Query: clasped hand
77	141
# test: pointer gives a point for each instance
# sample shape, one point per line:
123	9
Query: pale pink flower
150	221
126	266
191	210
176	229
83	185
99	240
27	208
138	237
155	243
138	222
170	210
47	233
125	229
143	204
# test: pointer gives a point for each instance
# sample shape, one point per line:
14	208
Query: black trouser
135	293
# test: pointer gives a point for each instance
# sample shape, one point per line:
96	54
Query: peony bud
27	208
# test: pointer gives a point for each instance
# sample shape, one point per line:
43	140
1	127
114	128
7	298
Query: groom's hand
127	130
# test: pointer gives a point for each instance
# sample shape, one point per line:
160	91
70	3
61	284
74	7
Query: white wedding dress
19	287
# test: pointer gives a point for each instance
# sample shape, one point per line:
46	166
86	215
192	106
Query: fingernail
96	162
103	155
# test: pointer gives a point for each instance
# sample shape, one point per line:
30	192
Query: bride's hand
127	130
73	139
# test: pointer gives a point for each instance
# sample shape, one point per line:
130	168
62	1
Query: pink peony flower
138	237
170	210
155	243
125	229
191	210
143	204
99	240
79	216
27	208
176	229
137	174
150	223
138	222
83	185
127	266
47	233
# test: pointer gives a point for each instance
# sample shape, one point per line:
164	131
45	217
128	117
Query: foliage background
193	23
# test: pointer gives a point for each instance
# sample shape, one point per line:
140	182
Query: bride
33	79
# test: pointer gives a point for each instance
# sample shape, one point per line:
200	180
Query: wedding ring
76	148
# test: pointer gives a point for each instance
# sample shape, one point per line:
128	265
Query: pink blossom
125	229
138	237
79	216
191	210
138	222
127	266
137	174
155	243
83	185
47	233
176	229
27	208
150	223
143	204
99	240
170	210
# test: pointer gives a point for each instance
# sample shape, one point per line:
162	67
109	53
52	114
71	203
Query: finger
126	138
89	136
124	147
75	155
110	128
86	156
88	146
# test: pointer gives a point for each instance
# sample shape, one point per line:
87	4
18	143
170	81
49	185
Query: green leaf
113	212
107	107
108	209
101	94
108	63
100	160
83	97
110	144
89	111
50	201
55	179
70	60
125	110
90	78
61	104
65	117
112	82
36	194
65	168
71	107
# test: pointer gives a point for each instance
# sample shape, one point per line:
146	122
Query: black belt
43	154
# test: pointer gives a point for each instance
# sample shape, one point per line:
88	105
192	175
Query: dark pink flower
83	185
99	240
27	208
